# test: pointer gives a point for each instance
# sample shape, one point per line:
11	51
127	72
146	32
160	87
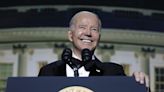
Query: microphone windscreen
67	55
86	55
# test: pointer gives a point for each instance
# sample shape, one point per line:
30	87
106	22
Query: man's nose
88	32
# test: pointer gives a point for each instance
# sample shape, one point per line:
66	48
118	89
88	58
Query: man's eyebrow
95	27
82	25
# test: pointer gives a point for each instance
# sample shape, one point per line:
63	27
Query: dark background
146	4
50	17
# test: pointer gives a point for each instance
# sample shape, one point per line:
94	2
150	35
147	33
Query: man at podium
80	61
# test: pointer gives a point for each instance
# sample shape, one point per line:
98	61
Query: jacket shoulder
112	68
50	68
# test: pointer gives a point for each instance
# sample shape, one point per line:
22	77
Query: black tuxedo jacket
58	68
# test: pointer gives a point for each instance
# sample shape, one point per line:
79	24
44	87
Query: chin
90	48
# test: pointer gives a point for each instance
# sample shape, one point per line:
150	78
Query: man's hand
142	78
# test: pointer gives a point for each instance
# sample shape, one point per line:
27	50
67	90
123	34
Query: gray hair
73	19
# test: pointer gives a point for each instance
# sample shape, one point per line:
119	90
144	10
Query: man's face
85	32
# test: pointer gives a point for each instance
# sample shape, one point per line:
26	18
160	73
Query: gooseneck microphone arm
76	73
67	58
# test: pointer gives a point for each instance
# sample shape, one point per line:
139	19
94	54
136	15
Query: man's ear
70	35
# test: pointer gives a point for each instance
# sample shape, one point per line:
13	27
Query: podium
74	84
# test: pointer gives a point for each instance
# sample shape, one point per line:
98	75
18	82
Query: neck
76	54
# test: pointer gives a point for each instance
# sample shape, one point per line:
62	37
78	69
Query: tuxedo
58	68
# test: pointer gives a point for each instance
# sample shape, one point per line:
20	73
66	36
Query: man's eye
94	29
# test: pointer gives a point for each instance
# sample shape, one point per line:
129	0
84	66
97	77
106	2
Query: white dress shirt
82	72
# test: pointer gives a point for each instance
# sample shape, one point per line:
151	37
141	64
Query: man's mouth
86	40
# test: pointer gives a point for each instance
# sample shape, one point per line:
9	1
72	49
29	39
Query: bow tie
77	63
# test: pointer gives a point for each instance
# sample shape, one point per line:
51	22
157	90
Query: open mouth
86	40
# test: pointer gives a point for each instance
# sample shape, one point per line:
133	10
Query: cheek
97	37
77	34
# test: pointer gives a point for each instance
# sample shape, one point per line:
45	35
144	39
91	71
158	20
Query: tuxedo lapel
97	70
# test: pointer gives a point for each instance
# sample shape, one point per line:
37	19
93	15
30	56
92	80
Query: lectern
74	84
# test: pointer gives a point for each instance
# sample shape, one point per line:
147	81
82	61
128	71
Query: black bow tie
77	63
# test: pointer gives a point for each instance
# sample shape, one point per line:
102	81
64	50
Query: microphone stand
76	73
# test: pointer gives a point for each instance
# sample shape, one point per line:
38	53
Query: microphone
67	55
87	59
86	55
67	58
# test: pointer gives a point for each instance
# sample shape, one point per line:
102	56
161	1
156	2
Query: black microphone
67	55
86	55
67	58
87	59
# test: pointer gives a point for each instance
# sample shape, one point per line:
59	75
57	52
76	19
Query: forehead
87	18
